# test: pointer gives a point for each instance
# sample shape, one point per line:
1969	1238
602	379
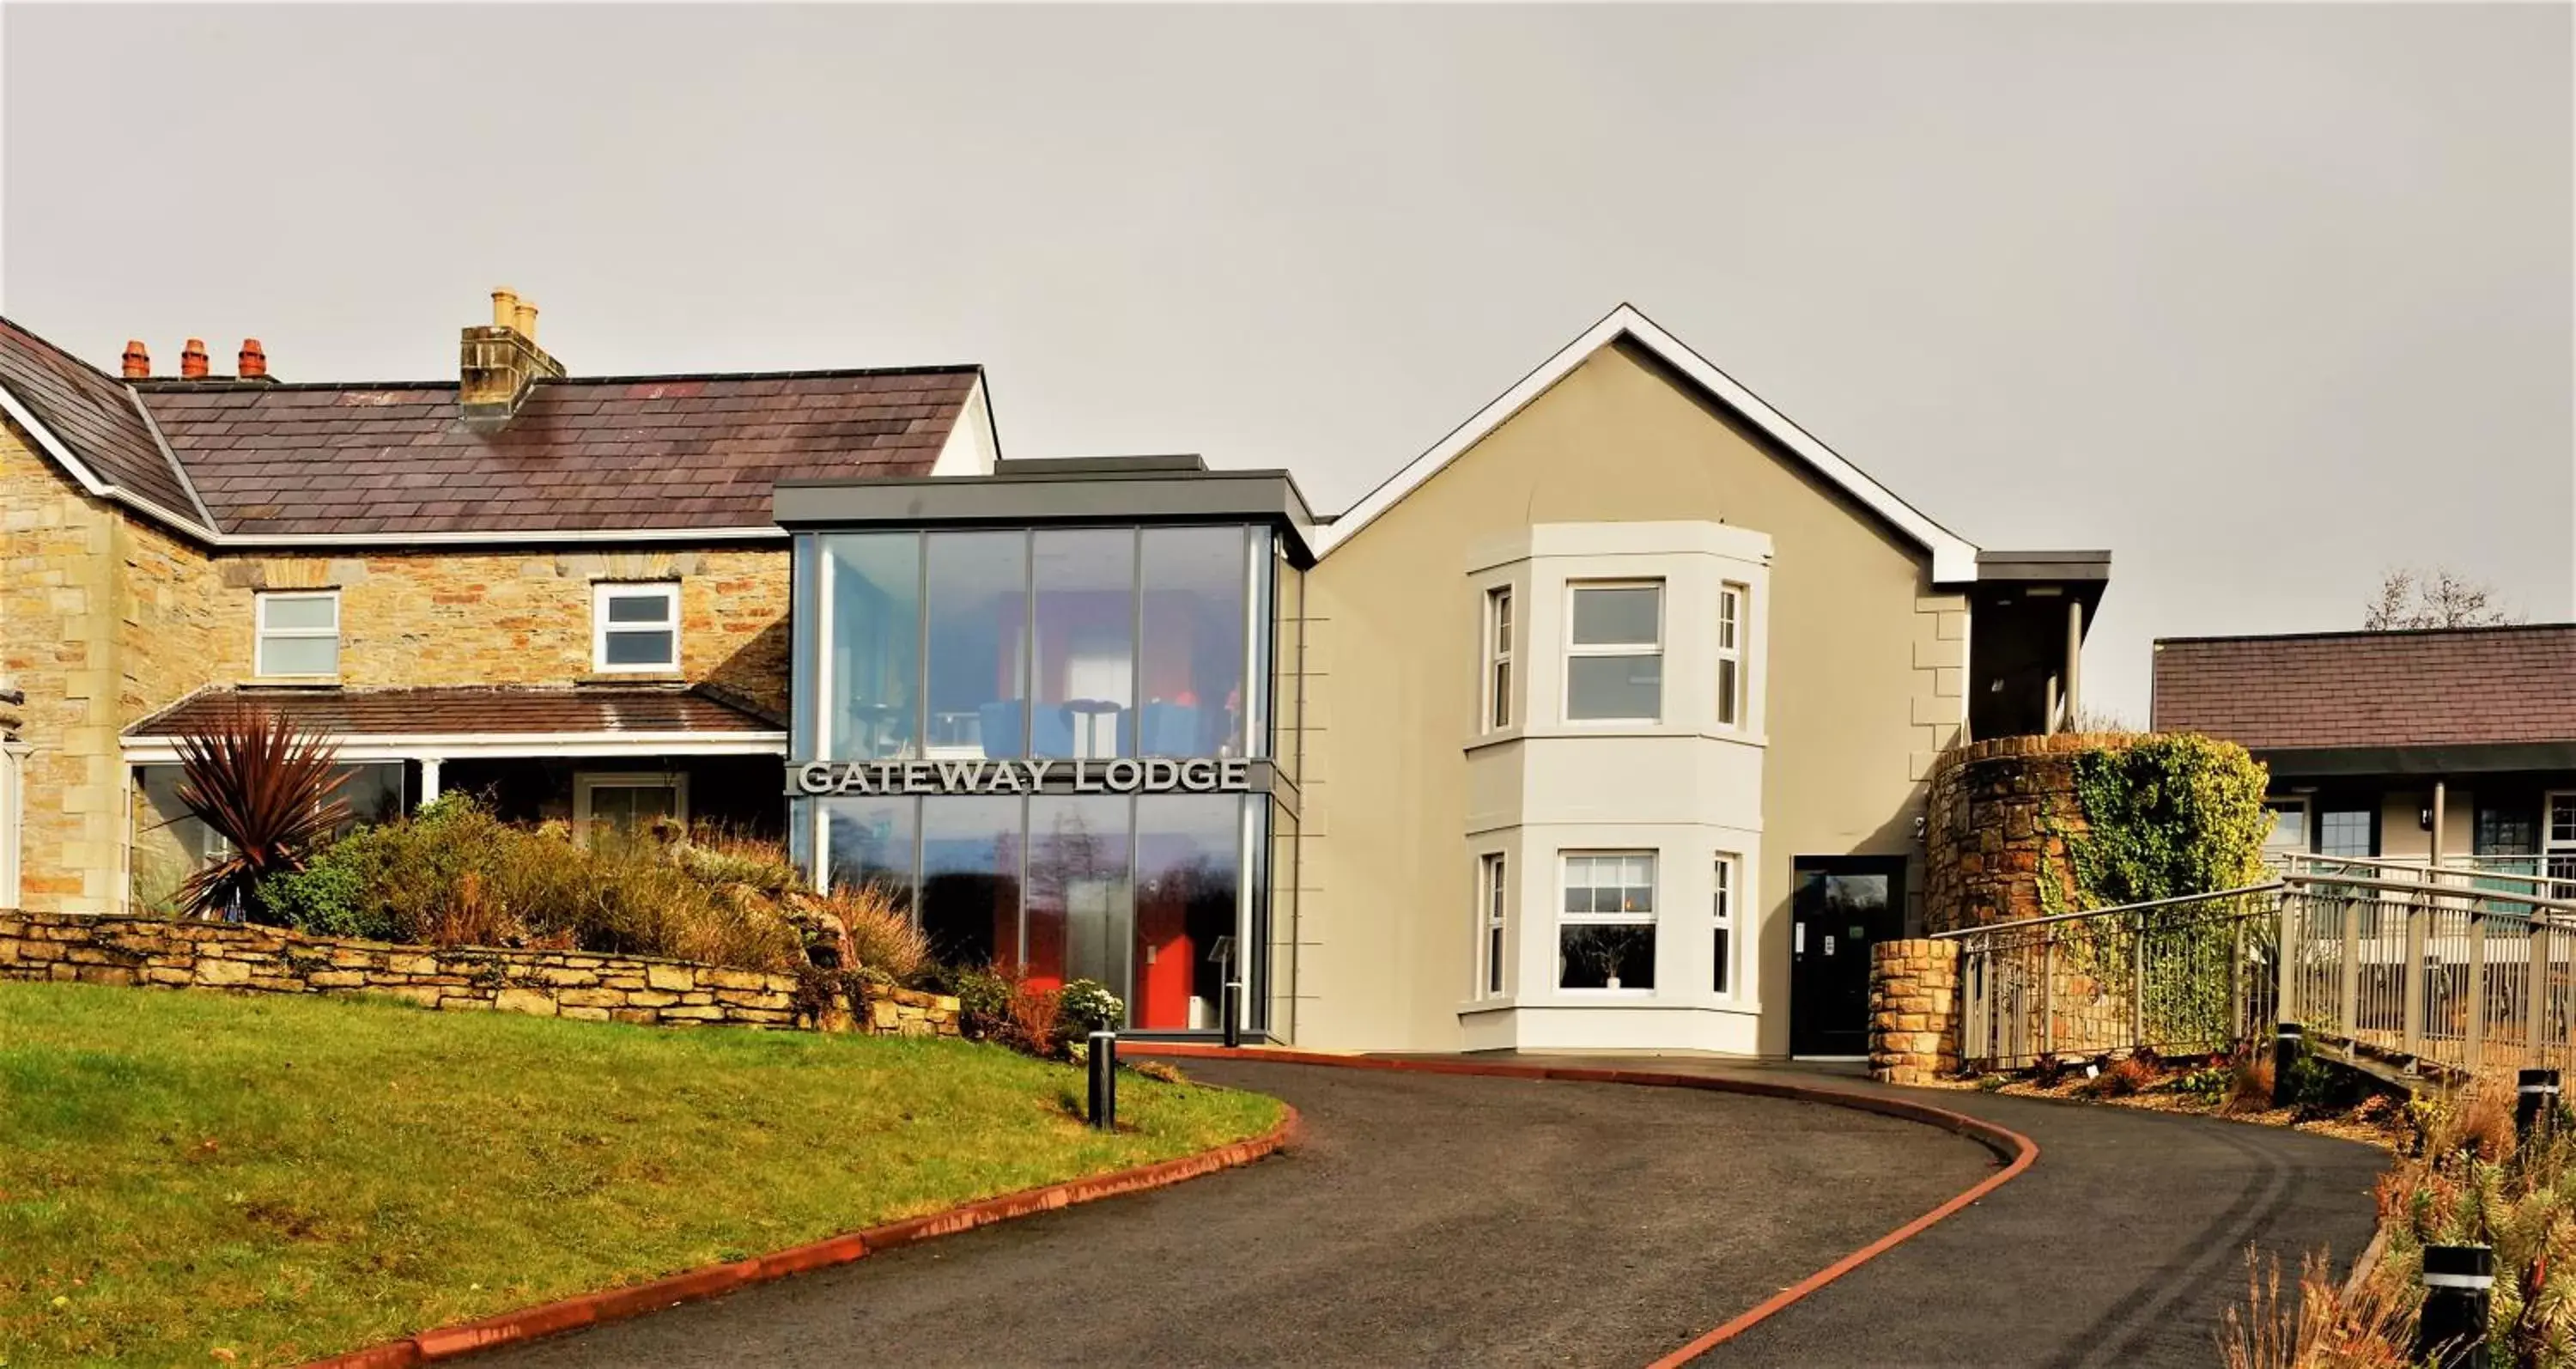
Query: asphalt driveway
1424	1220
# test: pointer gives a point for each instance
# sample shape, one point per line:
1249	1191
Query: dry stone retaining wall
600	988
1913	1010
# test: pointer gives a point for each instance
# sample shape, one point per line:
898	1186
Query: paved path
1425	1221
1456	1221
2123	1246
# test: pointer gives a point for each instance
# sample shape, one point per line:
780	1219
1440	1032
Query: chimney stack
498	365
138	360
192	360
253	361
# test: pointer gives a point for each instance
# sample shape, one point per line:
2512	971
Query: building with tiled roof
564	591
2444	743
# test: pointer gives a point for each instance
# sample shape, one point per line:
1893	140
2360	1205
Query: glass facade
1097	647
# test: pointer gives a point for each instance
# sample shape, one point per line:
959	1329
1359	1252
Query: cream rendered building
1618	709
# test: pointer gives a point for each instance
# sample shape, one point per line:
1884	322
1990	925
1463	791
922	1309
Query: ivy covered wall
2023	826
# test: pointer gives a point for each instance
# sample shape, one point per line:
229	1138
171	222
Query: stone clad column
1913	1010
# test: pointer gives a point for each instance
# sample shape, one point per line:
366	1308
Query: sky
2265	300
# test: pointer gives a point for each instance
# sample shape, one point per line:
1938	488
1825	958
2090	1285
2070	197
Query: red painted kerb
591	1309
2018	1152
617	1304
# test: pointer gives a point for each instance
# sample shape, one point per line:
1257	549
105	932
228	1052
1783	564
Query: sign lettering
1124	775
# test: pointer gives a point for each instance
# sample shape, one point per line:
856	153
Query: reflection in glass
1193	612
1086	643
1189	868
977	609
970	879
871	843
872	587
1078	910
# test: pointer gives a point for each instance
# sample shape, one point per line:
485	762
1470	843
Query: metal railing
2444	970
2550	876
2180	975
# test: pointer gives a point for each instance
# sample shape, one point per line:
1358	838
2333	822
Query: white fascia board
88	479
1954	559
353	747
973	445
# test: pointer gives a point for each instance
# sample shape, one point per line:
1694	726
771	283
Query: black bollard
2287	1037
1104	1080
2535	1101
1233	1013
2453	1331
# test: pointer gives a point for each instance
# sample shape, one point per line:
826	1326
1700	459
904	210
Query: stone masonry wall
1999	814
1913	1011
175	954
58	645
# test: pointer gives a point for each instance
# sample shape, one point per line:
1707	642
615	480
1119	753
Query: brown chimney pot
253	359
192	360
138	359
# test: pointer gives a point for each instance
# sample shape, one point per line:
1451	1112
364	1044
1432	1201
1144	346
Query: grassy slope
287	1177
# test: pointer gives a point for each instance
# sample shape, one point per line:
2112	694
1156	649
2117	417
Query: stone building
565	592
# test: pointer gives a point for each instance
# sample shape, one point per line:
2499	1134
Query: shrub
881	933
1086	1005
1033	1023
983	1000
269	791
2130	1074
452	874
328	897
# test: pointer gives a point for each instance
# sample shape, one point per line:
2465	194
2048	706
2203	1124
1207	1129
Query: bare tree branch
2438	598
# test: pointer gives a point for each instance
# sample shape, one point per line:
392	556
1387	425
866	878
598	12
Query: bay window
1490	893
1730	655
1614	654
1498	658
1722	923
1606	934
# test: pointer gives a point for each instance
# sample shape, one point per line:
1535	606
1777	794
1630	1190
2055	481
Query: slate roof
464	709
93	413
2440	687
642	453
666	452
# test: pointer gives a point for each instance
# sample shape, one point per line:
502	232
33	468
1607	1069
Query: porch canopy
430	727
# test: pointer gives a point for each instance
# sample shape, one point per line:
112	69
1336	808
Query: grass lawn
274	1178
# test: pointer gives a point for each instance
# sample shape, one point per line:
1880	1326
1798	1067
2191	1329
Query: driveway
1424	1220
1435	1219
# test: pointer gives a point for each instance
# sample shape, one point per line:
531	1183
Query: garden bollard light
2535	1101
1233	1013
2287	1037
1104	1080
2453	1331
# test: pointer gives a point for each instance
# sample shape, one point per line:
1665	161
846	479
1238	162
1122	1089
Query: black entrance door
1841	905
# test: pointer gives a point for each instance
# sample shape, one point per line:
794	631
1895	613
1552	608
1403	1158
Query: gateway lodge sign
1153	775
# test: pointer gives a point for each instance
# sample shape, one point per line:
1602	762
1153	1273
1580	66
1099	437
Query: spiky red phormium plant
267	788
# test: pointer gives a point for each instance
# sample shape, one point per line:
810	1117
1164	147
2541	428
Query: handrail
2428	873
2419	889
2263	888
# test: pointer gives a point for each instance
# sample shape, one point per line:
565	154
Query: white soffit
1954	559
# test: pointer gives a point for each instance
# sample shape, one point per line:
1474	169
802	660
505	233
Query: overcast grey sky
2263	299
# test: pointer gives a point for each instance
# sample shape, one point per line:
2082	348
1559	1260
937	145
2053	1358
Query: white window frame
1493	890
2555	856
1728	873
1732	598
604	590
1565	704
1501	629
1650	918
261	632
586	785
